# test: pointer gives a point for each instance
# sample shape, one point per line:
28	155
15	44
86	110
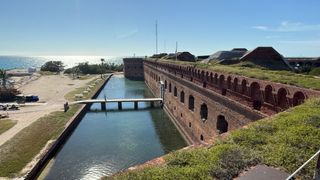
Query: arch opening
222	124
191	103
204	112
175	92
282	98
268	95
298	98
243	87
182	97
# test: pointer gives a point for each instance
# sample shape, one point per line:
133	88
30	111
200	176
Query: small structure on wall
266	57
133	68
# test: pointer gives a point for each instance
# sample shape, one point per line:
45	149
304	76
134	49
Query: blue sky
127	27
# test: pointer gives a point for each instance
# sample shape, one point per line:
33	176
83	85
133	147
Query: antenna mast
156	36
176	50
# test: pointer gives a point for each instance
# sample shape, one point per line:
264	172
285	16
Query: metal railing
316	175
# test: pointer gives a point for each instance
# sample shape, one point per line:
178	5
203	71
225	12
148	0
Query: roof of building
182	56
223	55
262	52
266	57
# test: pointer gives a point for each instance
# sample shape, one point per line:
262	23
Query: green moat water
106	142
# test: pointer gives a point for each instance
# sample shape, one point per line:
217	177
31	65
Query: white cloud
261	28
302	42
127	34
287	26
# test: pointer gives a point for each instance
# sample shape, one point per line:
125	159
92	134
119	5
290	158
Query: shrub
8	94
52	66
86	68
315	71
232	161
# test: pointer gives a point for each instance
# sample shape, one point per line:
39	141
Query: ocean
12	62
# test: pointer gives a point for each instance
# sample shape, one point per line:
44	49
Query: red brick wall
133	68
224	94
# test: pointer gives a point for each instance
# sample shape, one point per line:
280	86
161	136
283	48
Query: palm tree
4	77
102	61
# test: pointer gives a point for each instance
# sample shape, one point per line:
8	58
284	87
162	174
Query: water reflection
107	142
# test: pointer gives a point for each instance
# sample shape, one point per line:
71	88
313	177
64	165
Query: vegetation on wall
252	71
315	71
285	141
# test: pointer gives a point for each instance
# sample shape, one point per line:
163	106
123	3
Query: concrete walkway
263	172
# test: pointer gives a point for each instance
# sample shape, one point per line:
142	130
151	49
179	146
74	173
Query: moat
106	142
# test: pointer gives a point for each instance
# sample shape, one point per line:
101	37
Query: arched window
191	103
204	112
175	93
298	98
201	137
165	84
182	97
169	87
222	124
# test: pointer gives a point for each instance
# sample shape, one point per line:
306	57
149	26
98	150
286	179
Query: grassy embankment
250	70
6	124
19	151
284	141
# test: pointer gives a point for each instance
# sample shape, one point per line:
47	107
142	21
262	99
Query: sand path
51	90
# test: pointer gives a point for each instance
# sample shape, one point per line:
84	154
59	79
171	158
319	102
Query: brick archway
282	98
268	94
244	87
298	98
222	124
204	112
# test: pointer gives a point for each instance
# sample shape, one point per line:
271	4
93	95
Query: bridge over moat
104	102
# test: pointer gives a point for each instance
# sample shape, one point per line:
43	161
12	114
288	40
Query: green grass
253	71
6	124
71	95
285	141
16	153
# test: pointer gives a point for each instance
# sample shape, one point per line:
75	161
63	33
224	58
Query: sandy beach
51	90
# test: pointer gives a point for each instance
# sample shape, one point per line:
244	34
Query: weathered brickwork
133	68
222	102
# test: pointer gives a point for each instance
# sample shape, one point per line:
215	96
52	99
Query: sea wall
70	127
